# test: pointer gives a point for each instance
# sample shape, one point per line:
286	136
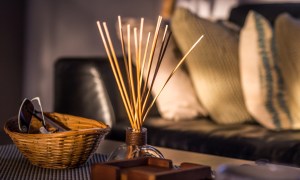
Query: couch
85	86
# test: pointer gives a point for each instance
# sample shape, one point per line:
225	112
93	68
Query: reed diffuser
135	92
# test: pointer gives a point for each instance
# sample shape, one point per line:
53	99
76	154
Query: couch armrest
86	87
81	88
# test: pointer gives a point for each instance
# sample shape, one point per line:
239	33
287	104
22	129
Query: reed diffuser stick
125	57
144	58
164	45
150	60
178	65
139	76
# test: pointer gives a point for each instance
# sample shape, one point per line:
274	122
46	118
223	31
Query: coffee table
232	168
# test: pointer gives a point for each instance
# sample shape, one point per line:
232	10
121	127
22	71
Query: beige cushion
178	100
288	42
262	82
213	65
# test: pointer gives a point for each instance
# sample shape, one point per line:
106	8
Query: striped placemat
14	166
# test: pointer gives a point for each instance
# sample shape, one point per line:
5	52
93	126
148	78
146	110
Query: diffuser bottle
135	146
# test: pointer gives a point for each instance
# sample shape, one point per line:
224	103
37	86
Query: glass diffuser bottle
135	146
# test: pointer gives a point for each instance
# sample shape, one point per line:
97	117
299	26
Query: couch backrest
268	10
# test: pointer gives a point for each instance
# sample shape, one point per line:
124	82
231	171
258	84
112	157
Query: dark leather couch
86	87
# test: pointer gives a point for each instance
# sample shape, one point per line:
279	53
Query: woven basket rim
55	135
106	128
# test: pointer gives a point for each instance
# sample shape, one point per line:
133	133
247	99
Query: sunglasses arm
50	121
55	124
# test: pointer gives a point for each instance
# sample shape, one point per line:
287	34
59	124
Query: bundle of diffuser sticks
134	92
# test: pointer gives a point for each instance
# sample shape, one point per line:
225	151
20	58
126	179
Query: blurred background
34	34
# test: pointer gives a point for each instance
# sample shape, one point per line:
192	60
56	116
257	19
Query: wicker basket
63	149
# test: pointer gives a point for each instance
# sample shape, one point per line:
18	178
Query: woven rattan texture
59	150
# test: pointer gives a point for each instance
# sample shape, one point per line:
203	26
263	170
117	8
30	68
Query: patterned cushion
178	100
288	42
213	65
261	76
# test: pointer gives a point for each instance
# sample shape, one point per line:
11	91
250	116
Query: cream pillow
213	66
287	33
261	77
178	99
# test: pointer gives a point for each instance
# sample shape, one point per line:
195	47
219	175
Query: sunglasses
27	110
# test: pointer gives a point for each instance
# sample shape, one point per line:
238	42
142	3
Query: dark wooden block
149	169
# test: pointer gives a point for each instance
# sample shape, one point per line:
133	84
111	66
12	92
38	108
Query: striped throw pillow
287	31
213	65
261	75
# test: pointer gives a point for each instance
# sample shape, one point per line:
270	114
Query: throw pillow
178	99
260	74
287	33
213	65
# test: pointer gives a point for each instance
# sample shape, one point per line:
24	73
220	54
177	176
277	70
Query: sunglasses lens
25	114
